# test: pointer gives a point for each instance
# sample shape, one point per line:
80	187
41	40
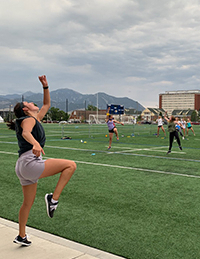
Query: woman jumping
111	127
30	167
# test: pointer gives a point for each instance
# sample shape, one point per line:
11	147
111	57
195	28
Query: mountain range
68	100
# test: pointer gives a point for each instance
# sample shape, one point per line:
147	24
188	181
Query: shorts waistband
29	152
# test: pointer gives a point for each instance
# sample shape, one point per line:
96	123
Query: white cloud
134	48
132	79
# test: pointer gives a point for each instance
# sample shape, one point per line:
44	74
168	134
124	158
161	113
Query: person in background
183	123
189	126
179	127
111	127
160	125
172	132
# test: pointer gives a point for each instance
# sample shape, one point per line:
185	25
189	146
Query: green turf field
134	200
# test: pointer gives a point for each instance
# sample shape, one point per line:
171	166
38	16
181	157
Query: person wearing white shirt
160	125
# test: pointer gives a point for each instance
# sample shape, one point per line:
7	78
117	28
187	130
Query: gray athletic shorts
29	168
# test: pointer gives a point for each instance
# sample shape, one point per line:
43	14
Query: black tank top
37	132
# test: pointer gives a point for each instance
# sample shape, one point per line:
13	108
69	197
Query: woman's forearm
29	137
46	97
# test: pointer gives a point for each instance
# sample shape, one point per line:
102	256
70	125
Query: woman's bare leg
55	166
193	131
158	131
163	130
29	192
184	132
110	139
116	133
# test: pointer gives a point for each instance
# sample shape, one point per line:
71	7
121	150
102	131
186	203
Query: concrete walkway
44	245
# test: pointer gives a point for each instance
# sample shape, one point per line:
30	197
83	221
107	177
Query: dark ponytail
19	112
11	125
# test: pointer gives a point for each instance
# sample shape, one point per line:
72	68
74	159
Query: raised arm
107	114
46	98
118	122
165	117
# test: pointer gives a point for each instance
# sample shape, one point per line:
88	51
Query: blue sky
125	48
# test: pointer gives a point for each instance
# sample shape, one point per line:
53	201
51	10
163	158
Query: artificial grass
135	214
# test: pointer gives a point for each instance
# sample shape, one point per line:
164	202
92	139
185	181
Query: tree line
55	114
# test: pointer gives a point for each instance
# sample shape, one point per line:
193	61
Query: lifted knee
73	166
69	170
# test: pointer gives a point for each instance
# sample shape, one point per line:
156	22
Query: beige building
179	100
151	114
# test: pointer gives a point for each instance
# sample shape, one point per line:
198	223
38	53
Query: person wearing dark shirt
172	132
30	166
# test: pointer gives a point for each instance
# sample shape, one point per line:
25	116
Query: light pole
85	111
97	107
10	115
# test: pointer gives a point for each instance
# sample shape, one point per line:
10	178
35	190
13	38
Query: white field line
121	147
148	149
77	133
53	135
121	167
46	146
159	147
69	148
165	151
96	133
138	149
8	142
8	153
68	131
116	152
54	131
7	136
110	152
139	169
154	149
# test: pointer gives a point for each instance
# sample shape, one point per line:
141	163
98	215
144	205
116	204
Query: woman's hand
37	149
43	80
